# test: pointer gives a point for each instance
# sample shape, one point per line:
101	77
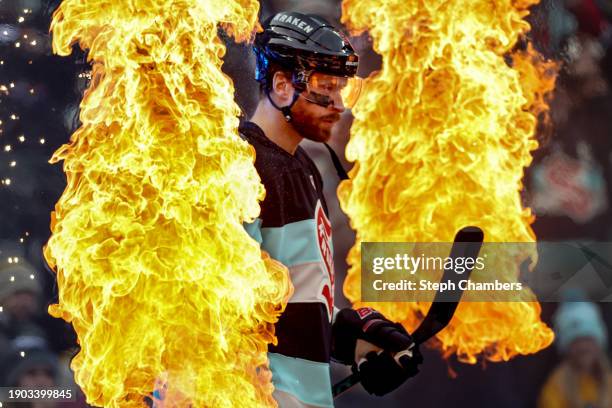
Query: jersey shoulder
292	182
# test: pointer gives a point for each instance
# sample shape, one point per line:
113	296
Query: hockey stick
468	242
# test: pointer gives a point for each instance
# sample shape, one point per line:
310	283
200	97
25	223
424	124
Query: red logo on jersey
364	312
324	241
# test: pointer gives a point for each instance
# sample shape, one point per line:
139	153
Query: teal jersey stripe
308	381
292	244
254	230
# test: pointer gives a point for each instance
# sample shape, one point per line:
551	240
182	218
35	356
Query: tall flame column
154	268
441	137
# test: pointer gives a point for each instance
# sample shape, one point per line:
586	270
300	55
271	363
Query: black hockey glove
381	371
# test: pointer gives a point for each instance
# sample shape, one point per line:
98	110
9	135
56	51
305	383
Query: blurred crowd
583	378
35	349
569	187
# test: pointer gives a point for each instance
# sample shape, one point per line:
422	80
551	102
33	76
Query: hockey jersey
294	228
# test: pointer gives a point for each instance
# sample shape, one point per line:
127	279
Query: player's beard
315	128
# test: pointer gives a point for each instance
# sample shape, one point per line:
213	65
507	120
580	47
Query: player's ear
282	87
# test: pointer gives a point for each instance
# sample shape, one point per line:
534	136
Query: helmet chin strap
337	164
285	110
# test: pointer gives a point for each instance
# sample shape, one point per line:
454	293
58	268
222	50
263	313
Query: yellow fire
155	270
441	136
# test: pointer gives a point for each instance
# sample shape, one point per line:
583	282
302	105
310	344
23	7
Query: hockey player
306	70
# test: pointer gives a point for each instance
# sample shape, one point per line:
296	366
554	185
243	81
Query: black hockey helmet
300	42
306	44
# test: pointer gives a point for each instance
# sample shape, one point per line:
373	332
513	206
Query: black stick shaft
468	242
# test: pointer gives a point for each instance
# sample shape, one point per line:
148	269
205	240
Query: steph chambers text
464	284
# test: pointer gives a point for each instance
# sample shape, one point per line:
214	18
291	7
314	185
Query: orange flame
155	270
440	140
